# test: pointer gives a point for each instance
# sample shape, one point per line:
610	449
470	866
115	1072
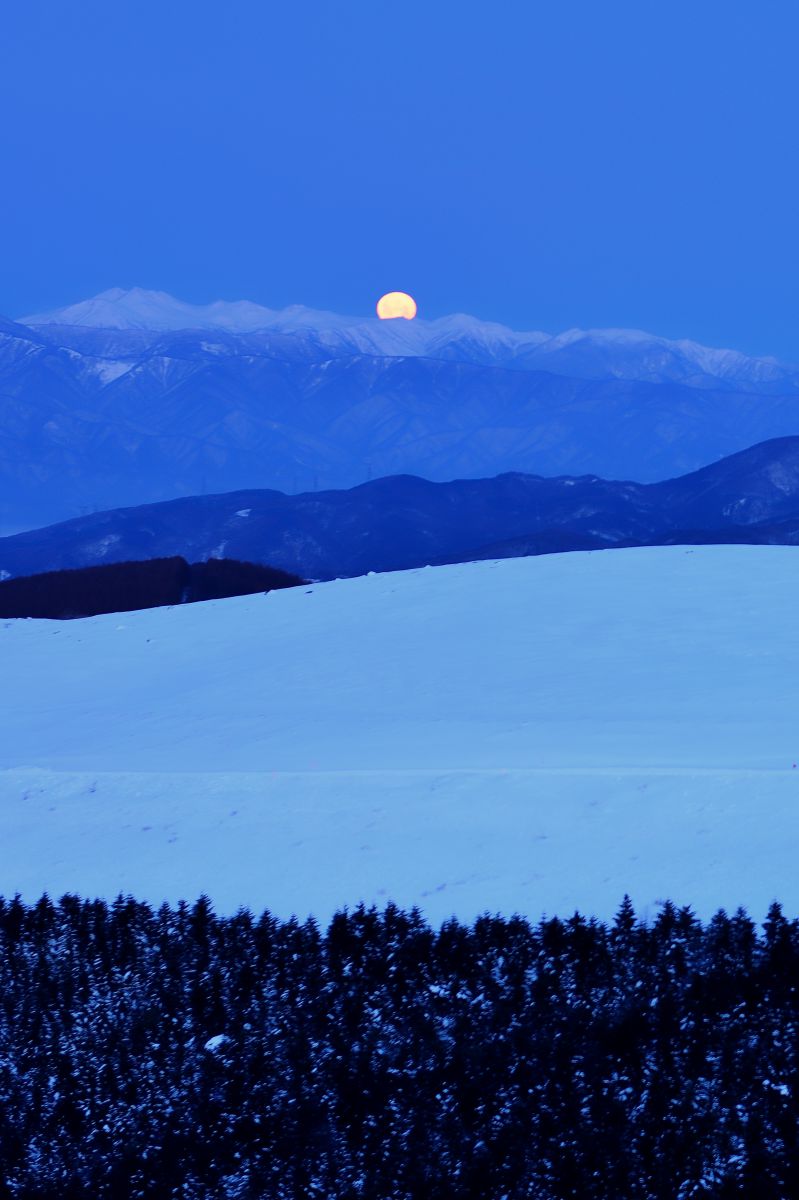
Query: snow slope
534	735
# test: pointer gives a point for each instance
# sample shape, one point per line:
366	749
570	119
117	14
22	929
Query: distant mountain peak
140	308
581	353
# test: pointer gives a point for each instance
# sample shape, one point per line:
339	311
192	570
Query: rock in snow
216	1043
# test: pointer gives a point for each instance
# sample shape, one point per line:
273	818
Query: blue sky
630	163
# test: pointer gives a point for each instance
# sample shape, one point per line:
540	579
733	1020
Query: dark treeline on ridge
123	587
172	1053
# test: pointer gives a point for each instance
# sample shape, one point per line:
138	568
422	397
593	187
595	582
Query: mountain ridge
139	309
96	419
404	521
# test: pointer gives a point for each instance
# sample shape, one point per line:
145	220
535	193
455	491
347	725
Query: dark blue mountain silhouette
403	521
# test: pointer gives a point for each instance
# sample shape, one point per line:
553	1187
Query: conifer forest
177	1053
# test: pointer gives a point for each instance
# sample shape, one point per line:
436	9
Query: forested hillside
127	586
173	1053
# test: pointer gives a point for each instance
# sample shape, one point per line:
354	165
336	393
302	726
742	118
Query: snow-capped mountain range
134	398
592	353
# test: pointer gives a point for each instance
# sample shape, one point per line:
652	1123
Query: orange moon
396	304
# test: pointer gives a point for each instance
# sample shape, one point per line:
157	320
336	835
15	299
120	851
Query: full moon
396	304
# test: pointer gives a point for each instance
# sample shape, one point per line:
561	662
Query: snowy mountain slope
586	354
138	308
532	735
112	413
184	419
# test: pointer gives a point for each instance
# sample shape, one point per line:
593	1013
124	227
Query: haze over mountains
403	521
134	397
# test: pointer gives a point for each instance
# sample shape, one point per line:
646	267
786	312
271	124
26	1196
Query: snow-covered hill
534	735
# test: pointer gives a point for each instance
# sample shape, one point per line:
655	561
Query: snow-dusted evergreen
168	1053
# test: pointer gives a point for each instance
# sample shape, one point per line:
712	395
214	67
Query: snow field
533	735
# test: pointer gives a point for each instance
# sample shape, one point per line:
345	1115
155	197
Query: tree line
176	1053
123	587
